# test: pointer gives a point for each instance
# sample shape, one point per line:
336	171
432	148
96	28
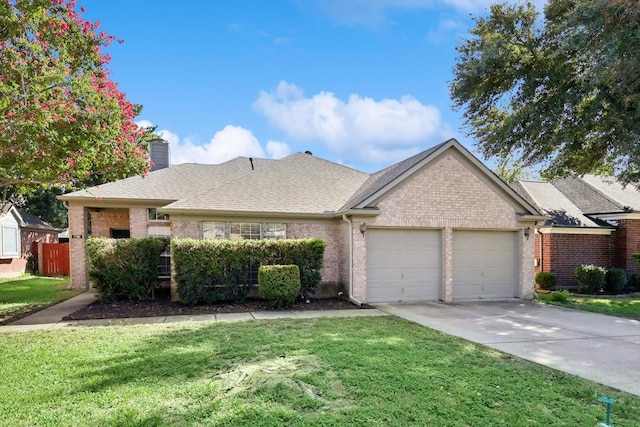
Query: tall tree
563	91
62	120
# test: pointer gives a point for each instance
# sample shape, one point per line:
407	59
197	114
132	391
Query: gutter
350	293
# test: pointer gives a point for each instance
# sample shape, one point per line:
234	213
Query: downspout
541	254
350	293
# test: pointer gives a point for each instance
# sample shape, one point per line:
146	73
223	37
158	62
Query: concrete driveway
600	348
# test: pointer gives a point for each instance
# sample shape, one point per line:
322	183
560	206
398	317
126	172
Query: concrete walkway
51	318
601	348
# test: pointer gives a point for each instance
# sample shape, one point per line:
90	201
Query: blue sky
358	82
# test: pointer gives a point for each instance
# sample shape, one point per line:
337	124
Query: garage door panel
403	265
484	264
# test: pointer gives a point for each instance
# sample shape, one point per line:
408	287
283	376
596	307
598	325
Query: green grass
622	307
26	294
379	371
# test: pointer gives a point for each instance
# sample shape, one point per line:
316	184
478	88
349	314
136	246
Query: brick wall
627	243
563	253
103	221
336	255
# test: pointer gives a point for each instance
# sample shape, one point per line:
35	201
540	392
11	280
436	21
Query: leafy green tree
511	170
62	120
564	91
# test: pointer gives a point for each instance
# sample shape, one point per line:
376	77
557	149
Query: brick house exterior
441	192
593	220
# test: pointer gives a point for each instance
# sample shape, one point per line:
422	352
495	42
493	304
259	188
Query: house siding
445	195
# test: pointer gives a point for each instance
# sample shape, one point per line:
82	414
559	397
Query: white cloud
144	124
360	129
226	144
277	150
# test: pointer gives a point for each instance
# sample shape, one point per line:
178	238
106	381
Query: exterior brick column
78	229
447	264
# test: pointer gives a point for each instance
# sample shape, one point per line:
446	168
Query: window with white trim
243	230
10	241
159	231
153	215
275	231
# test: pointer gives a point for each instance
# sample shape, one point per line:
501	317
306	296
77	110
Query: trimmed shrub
546	279
124	269
590	278
279	284
560	296
615	280
213	270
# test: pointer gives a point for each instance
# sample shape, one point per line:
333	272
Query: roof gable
386	180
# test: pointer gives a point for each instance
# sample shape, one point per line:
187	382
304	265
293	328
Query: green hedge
124	269
213	270
590	278
546	279
615	280
279	284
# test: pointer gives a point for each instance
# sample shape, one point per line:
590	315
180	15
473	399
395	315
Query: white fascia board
616	216
575	230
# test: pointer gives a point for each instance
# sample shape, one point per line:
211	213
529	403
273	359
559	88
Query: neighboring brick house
436	226
18	231
593	220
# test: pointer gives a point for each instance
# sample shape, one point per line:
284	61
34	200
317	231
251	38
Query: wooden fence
53	258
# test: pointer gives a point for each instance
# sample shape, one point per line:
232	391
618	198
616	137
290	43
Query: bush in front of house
546	279
279	284
213	270
590	278
124	269
615	280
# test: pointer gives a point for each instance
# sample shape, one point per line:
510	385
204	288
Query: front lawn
622	307
26	294
378	371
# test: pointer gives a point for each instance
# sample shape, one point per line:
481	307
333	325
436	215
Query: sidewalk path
51	318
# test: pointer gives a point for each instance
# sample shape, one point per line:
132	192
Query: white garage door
403	265
484	264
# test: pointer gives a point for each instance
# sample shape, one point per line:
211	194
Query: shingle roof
31	221
552	202
172	183
585	196
625	197
299	183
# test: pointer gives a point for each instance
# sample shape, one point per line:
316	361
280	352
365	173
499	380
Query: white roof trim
575	230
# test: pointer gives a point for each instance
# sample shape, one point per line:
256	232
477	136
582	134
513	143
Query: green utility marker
608	401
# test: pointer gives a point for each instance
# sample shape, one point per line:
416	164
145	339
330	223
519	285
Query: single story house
436	226
18	231
592	220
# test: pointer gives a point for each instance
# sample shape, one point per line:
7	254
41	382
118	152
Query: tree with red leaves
62	120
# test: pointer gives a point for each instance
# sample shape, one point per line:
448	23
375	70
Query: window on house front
159	231
153	215
213	230
10	241
275	231
243	230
